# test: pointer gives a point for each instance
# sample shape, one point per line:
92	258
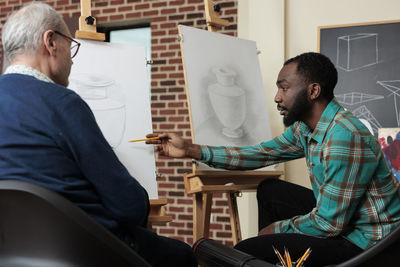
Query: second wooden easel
203	184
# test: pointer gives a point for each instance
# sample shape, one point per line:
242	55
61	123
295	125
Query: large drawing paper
112	79
225	88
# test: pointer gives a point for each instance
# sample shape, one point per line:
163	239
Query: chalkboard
367	57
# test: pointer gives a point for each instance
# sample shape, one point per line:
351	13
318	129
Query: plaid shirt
356	194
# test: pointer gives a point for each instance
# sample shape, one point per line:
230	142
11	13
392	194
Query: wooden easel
88	30
202	184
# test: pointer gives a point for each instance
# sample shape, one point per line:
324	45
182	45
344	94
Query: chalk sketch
368	62
394	87
228	101
98	91
357	51
363	112
225	89
112	79
356	98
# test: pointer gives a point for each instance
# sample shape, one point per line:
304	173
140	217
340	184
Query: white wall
284	29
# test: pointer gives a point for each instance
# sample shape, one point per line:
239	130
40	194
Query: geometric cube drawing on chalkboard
357	51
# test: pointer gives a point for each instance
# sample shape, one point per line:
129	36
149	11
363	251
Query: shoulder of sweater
45	88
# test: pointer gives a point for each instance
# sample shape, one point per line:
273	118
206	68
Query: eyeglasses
74	44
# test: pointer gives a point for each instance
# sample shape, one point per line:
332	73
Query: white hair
24	29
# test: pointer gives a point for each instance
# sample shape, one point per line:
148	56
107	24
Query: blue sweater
49	136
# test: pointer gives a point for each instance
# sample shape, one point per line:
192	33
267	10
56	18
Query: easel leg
207	201
197	216
234	214
201	215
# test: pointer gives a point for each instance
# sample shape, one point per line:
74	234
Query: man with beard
355	199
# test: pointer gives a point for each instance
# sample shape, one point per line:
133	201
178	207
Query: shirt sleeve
121	194
348	164
285	147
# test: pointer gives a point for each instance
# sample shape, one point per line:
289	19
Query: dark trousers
158	250
279	200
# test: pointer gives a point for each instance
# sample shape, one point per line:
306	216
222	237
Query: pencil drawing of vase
228	101
109	112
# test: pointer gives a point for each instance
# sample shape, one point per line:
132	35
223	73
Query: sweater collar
26	70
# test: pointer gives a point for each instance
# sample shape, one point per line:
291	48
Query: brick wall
169	106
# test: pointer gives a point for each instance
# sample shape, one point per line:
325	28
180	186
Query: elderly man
48	136
355	199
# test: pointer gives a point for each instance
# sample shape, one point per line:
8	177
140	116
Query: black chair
39	227
385	253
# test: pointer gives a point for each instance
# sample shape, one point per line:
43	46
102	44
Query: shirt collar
26	70
326	120
323	124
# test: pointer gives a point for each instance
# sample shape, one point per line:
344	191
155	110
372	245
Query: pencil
145	139
279	257
288	259
304	257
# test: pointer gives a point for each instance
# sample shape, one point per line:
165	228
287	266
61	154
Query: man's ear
49	42
314	90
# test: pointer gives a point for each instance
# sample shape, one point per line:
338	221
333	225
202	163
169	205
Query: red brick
125	8
168	25
167	231
167	127
176	2
176	209
186	9
160	4
167	68
167	112
133	15
168	11
176	75
142	6
150	13
117	17
109	10
158	19
166	185
117	2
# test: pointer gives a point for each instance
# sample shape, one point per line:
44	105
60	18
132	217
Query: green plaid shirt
357	195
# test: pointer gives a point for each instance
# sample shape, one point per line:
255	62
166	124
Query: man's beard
300	107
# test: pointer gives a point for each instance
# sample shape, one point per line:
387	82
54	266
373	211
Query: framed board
224	86
367	57
112	79
389	140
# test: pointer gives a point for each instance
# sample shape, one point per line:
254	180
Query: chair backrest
384	253
38	227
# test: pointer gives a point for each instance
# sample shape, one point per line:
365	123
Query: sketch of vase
228	101
109	112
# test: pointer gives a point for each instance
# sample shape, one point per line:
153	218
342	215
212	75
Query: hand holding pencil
172	145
